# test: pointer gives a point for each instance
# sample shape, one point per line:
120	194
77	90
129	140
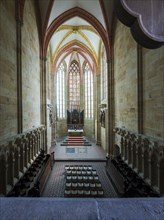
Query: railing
16	155
75	126
144	154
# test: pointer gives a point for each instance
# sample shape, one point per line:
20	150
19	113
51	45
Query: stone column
140	89
98	135
82	94
53	95
19	73
43	101
110	67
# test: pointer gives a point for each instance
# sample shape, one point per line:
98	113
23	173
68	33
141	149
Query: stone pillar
19	73
82	94
140	89
53	96
98	135
43	101
110	74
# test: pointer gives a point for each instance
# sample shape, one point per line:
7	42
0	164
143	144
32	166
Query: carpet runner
75	141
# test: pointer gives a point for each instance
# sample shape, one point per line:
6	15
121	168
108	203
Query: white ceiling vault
75	38
80	38
69	26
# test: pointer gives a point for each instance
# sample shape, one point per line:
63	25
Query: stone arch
68	51
146	33
73	13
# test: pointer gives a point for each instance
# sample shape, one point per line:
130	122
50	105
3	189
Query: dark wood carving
145	19
75	117
102	118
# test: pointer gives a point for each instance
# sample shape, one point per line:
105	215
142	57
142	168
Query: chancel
81	107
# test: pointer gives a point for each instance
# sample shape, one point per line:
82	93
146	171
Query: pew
33	181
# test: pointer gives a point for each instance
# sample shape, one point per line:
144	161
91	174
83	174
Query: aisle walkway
83	153
77	155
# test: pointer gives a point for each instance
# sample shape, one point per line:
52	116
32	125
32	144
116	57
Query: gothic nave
81	109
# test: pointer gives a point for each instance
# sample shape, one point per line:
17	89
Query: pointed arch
79	51
76	12
80	45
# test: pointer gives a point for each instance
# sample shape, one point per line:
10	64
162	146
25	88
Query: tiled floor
93	152
81	155
56	183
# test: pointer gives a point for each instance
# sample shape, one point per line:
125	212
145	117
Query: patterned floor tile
56	183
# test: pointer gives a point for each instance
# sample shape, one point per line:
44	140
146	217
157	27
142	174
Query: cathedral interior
81	109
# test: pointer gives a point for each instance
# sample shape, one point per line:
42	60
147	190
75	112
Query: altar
75	132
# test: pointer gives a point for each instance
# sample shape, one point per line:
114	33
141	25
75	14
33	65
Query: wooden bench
116	178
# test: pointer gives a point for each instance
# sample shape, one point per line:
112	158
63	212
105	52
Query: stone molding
145	21
73	13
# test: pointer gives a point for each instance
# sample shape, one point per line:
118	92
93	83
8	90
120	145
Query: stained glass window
60	91
88	77
74	86
103	76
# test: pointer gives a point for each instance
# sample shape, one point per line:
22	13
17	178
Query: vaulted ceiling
75	38
77	28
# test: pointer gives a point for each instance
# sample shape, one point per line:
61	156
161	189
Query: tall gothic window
74	85
103	76
88	77
60	91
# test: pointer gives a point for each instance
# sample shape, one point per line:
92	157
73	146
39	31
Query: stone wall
8	72
125	77
30	68
89	128
61	129
103	138
153	92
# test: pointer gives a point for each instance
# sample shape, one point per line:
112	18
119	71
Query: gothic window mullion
61	91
